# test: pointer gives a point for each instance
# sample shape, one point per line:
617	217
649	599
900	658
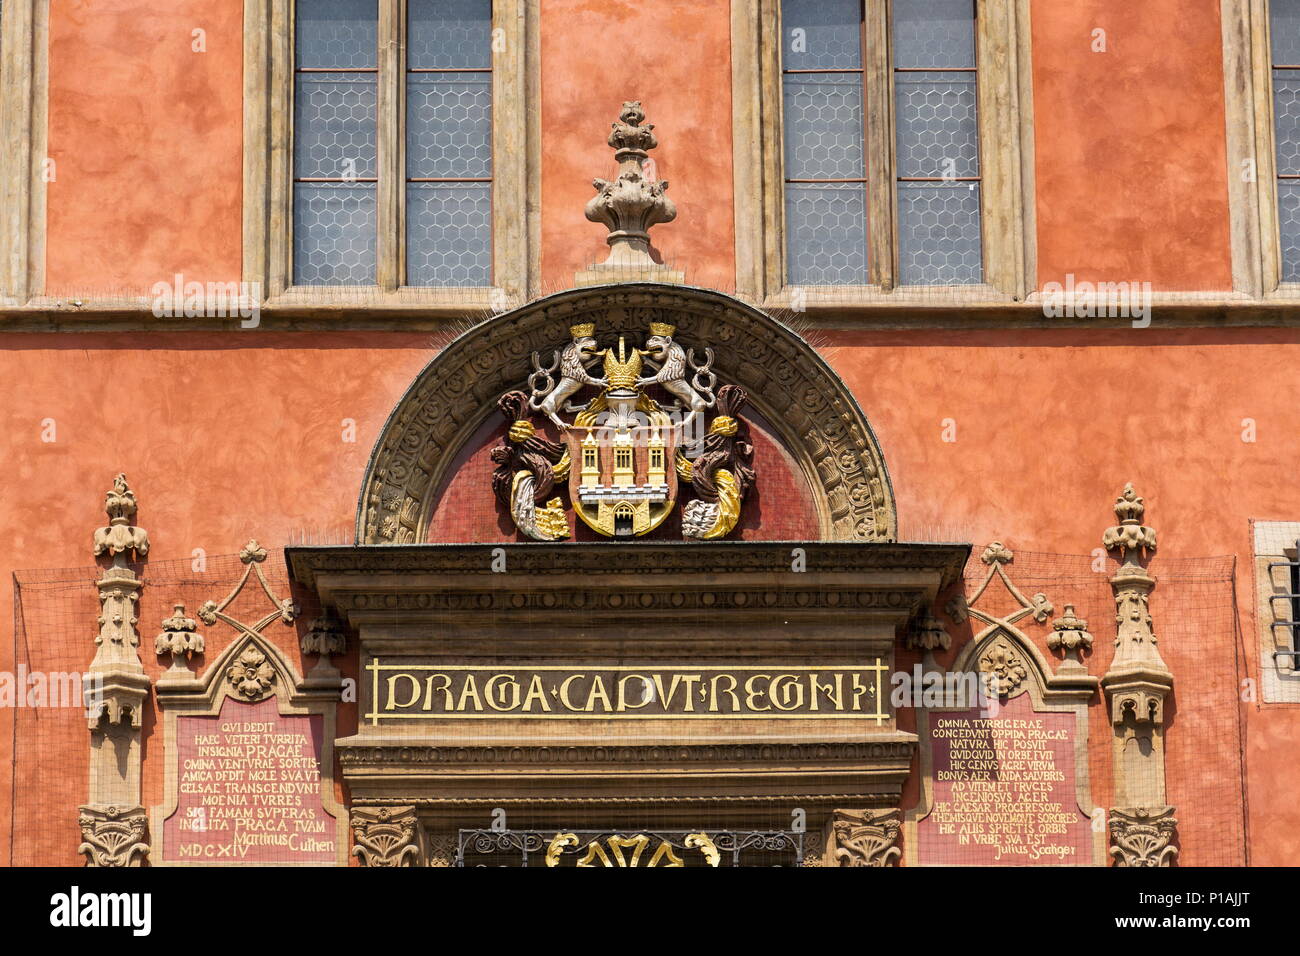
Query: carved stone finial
1130	537
1137	680
1071	639
631	204
1140	836
385	836
180	639
120	537
865	837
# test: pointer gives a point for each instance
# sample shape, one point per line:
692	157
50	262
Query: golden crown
582	330
662	328
622	371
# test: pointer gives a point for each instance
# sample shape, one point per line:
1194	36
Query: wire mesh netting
1193	607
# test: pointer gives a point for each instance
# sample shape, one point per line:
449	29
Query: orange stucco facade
1019	432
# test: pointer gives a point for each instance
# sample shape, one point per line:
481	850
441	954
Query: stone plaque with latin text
249	789
1004	789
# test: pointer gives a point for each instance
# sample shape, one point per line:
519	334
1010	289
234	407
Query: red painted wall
146	137
675	57
1131	143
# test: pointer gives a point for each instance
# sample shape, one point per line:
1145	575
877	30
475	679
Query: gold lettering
667	699
643	683
731	691
392	691
446	693
835	693
538	692
597	690
751	694
791	689
497	688
856	691
469	690
564	691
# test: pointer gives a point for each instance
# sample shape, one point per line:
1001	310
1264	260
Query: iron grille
1291	622
629	848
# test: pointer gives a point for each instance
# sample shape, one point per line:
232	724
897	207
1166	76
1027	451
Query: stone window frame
24	94
268	173
1252	159
1006	157
1279	677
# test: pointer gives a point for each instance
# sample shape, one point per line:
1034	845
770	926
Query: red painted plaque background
308	827
940	849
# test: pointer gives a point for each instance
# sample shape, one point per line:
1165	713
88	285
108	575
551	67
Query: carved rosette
1142	836
113	836
252	675
865	837
385	836
632	203
1003	667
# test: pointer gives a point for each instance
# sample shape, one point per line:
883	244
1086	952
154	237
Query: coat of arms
630	445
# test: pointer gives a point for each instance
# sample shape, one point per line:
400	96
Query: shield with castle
625	451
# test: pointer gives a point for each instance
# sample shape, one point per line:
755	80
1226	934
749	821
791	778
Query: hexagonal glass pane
448	125
449	34
1288	201
448	234
1284	19
1286	120
939	234
826	233
334	125
337	34
934	34
334	234
821	34
823	126
937	130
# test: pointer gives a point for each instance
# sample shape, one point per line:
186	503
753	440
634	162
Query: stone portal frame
653	604
202	696
1048	692
813	412
24	92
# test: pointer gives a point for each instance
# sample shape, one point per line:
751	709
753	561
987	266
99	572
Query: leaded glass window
437	98
1284	16
933	233
937	147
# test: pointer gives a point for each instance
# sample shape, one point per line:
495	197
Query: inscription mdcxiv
407	691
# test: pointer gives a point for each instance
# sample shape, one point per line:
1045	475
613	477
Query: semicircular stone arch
815	415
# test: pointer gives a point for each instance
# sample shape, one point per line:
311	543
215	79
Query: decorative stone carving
866	837
927	635
1141	836
117	685
326	638
529	465
1071	639
113	824
179	639
442	849
1137	681
112	836
251	555
814	416
252	674
1003	666
630	205
385	836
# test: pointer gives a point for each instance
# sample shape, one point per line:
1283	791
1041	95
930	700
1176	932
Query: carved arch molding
814	414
